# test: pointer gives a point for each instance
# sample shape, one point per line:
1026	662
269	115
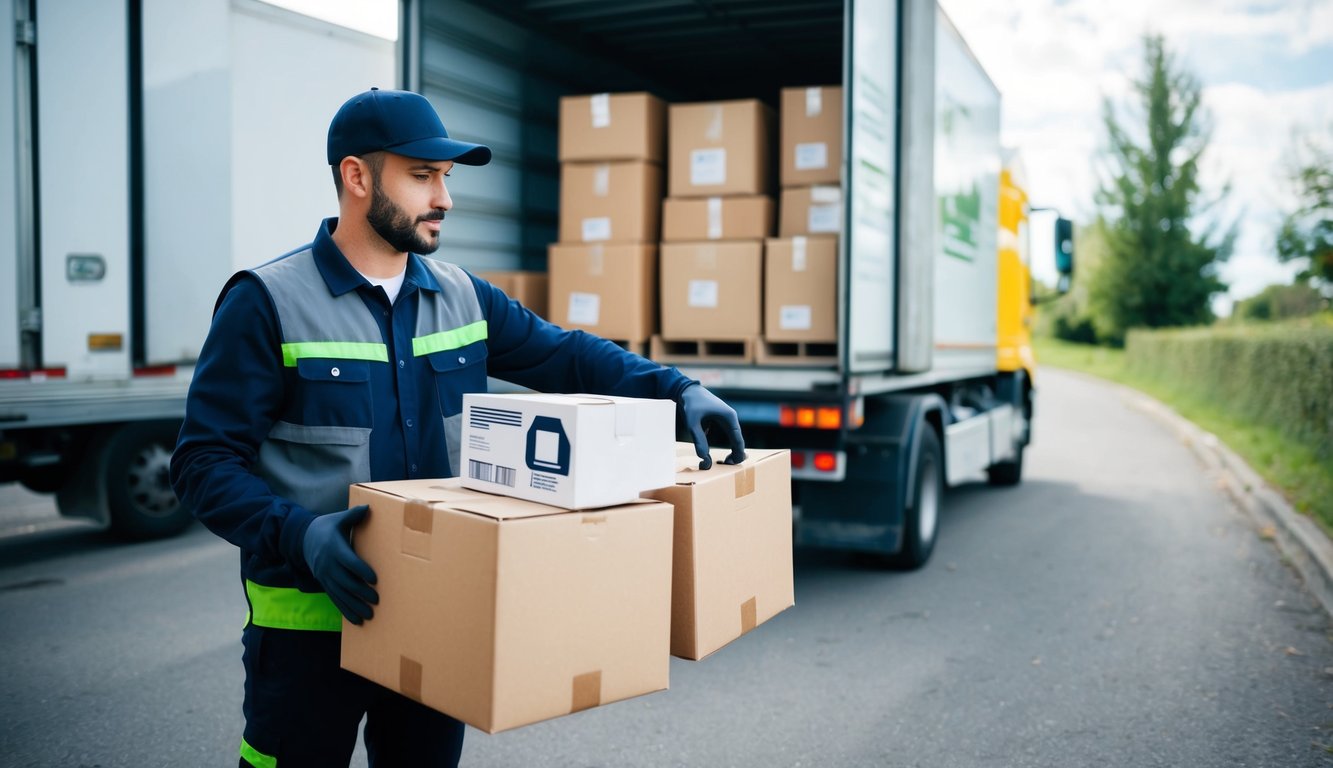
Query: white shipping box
570	451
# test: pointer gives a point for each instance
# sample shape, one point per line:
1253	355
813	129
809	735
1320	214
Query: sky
1266	67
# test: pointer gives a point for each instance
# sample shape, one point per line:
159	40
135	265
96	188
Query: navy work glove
699	405
345	577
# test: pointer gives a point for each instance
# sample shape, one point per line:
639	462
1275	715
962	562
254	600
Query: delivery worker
346	361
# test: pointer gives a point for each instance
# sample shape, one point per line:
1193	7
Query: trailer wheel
136	476
921	519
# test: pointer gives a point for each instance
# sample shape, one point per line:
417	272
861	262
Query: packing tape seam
586	691
749	615
409	678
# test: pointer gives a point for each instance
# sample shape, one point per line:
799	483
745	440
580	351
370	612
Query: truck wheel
137	481
921	519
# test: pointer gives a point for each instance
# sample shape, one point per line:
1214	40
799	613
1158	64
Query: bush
1279	376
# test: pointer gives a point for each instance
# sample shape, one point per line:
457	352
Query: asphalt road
1115	609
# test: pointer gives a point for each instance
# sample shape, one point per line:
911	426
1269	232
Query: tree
1280	302
1157	271
1307	232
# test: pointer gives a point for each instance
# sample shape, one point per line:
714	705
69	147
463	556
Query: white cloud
1054	63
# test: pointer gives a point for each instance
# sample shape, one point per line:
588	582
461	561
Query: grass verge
1290	467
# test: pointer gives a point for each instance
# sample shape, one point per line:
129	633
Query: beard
399	229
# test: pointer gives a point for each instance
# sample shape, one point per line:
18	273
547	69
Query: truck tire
136	476
921	519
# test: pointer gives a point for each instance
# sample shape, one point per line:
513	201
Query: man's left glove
335	565
698	405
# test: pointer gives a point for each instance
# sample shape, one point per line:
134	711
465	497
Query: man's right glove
345	577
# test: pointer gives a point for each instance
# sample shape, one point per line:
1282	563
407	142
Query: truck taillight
810	416
826	461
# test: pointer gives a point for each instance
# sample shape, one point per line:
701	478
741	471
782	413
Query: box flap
687	462
448	493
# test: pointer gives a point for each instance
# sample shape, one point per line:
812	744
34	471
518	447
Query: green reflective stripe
458	337
290	608
337	350
256	758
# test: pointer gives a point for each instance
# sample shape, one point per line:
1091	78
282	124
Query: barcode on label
489	473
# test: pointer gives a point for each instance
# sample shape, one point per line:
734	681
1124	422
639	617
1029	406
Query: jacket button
462	360
335	373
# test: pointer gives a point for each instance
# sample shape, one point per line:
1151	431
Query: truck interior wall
496	71
9	245
83	160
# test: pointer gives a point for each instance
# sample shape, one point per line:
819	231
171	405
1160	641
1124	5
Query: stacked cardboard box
603	269
715	218
527	288
800	266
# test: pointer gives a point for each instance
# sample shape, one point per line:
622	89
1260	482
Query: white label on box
798	254
584	308
826	194
601	110
811	155
794	318
703	293
814	102
546	448
822	218
599	228
714	218
708	167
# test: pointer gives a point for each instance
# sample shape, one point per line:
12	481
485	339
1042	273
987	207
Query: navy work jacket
241	388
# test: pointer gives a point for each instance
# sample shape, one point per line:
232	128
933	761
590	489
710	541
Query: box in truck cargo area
811	211
719	148
609	290
745	217
732	556
528	288
612	126
811	136
712	290
618	202
801	289
501	612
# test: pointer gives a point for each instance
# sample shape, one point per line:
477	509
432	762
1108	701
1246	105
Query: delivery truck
158	150
153	148
930	378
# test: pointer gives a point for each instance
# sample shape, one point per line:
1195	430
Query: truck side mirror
1064	252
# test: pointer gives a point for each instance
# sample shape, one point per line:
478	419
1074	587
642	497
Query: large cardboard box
811	211
501	612
570	451
529	288
617	202
801	289
747	217
719	148
609	290
712	291
732	556
612	126
811	136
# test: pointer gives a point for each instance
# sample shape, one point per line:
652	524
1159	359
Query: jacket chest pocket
333	393
458	371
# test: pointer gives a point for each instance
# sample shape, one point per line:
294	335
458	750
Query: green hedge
1275	376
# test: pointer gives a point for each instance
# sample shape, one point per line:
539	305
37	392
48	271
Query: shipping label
708	167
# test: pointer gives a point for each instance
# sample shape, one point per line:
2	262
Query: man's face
408	201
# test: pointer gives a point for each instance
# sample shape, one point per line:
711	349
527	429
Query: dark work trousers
303	709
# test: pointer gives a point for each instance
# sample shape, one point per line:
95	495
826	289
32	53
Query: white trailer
155	148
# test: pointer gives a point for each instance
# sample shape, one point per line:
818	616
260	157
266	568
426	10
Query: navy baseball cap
401	122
